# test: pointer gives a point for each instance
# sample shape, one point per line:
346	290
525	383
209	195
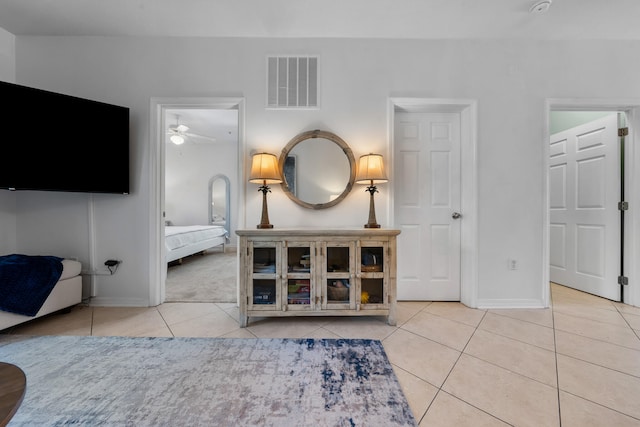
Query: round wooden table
13	384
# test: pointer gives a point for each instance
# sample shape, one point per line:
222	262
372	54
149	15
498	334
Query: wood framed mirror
318	169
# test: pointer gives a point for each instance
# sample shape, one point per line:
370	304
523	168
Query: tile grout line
92	320
555	355
451	370
453	367
518	340
399	327
591	363
165	322
594	338
636	333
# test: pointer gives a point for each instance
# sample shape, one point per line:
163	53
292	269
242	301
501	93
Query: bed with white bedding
184	240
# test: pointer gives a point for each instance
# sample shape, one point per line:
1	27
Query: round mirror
318	169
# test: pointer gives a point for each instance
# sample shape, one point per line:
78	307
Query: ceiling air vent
292	82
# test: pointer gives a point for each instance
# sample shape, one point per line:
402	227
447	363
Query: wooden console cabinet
317	272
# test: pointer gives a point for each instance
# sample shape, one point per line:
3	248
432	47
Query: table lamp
371	172
264	170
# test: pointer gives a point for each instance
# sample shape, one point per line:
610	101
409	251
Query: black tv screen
56	142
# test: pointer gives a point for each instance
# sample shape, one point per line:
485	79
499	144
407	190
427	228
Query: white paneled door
584	190
427	205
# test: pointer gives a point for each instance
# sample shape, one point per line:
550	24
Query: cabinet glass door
338	276
300	289
372	262
263	292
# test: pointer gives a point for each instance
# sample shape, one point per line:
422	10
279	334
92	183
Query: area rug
208	277
124	381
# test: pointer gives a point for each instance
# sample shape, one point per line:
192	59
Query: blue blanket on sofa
26	282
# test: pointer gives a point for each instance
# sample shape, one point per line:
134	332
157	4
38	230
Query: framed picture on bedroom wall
289	174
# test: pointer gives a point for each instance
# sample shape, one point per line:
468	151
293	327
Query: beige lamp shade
264	169
371	170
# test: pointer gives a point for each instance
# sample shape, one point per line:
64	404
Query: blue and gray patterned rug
119	381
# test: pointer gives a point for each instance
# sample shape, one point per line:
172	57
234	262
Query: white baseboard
118	302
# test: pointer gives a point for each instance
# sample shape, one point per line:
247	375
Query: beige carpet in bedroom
210	277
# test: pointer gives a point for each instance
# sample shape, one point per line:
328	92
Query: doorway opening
590	241
586	182
211	145
201	169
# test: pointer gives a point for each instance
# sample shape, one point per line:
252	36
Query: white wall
510	80
8	225
188	169
7	56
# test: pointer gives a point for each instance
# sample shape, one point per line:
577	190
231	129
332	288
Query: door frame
468	110
631	107
158	107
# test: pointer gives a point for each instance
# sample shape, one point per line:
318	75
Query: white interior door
427	192
584	190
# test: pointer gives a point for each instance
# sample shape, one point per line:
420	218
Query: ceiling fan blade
178	128
195	135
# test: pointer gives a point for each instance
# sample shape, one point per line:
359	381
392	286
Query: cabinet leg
243	321
391	319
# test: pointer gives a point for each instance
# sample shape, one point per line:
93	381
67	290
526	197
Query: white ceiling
219	124
423	19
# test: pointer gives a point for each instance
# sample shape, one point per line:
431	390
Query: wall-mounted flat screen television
56	142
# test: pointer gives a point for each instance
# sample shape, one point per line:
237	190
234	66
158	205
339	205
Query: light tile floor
575	364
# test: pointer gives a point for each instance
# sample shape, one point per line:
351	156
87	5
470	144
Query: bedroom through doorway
200	175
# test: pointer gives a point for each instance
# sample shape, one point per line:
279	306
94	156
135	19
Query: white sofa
66	293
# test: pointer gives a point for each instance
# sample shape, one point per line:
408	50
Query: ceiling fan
179	133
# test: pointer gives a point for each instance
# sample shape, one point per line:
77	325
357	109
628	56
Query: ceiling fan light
182	128
177	139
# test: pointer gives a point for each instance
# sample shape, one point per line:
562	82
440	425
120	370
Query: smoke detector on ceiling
540	7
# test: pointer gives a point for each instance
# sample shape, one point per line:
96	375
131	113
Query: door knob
456	215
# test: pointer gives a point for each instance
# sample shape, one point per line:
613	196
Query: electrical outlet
512	264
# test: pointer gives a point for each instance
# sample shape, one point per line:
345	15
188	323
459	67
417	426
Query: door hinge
623	206
623	131
623	280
